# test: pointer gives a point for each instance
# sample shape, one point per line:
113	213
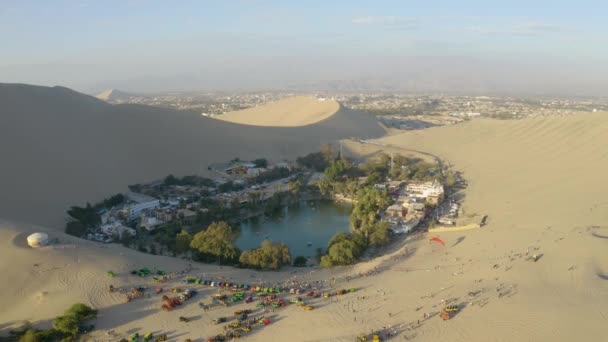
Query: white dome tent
37	240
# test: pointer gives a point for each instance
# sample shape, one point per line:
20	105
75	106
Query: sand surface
289	112
541	181
61	148
113	95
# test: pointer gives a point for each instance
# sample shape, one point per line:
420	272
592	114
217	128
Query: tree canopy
86	215
260	162
217	240
364	218
188	180
318	161
182	242
269	255
343	249
69	323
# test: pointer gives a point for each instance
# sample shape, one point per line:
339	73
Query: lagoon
309	222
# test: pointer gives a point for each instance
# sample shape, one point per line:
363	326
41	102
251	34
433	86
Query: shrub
76	228
30	336
299	261
81	312
67	325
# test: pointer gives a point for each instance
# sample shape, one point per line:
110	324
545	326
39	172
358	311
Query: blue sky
84	43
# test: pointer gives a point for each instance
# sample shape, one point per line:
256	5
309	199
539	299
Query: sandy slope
289	112
113	95
61	148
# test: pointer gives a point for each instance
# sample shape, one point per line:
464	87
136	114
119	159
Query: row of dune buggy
243	324
241	287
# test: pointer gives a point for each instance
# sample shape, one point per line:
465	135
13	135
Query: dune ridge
113	95
288	112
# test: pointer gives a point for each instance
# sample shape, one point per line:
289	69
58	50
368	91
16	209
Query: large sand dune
289	112
61	148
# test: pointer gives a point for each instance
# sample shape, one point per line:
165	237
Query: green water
312	221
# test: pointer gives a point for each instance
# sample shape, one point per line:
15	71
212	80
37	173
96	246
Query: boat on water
309	243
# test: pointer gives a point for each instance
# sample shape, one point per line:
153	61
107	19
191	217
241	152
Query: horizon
549	48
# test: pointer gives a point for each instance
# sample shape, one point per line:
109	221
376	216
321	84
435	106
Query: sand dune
113	95
541	181
61	148
289	112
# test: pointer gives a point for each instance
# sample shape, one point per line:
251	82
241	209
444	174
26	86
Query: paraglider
438	240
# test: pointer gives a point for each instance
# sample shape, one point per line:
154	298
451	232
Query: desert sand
61	148
111	95
539	180
289	112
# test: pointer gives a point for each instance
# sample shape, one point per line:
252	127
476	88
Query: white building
425	189
150	223
135	210
406	226
115	228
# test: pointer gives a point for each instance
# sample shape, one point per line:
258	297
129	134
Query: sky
147	45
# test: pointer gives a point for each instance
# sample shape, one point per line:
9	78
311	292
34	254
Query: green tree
274	204
300	261
295	187
30	336
254	198
379	234
365	212
337	169
343	249
76	228
127	239
182	242
450	179
340	253
67	325
217	240
326	261
87	216
374	178
261	162
269	255
338	237
81	312
111	201
326	187
315	161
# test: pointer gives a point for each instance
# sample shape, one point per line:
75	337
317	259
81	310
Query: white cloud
539	28
522	29
385	20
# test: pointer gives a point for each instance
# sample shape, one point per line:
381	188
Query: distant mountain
60	148
113	95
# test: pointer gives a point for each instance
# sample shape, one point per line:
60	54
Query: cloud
534	29
386	21
522	29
